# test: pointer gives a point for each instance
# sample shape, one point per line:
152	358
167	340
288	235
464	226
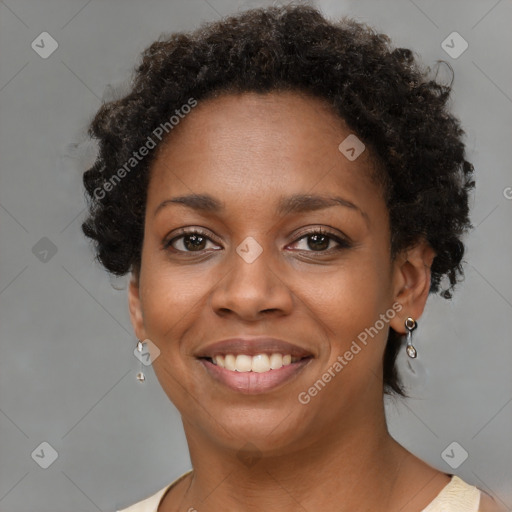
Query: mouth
254	374
253	365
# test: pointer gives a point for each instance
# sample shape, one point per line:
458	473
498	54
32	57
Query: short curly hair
382	93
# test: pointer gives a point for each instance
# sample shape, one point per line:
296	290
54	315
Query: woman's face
255	272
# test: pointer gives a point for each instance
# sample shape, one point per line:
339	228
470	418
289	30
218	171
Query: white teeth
259	363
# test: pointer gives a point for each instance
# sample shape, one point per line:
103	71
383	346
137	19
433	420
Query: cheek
348	306
354	293
172	301
170	298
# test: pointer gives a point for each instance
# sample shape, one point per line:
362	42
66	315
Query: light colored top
456	496
152	503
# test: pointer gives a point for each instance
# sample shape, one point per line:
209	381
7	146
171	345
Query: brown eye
320	240
188	241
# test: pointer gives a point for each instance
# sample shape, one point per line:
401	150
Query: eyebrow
297	203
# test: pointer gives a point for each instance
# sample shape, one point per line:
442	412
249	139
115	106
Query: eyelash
342	243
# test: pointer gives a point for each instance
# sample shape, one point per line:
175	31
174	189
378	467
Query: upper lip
252	347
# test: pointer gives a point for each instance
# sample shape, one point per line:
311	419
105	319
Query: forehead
259	146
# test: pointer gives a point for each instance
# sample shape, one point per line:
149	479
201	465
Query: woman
285	192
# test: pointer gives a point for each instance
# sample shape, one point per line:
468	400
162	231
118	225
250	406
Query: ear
135	306
412	283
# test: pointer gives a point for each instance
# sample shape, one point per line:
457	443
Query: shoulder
149	504
459	496
152	503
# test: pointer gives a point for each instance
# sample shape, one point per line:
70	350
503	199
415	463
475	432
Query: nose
251	290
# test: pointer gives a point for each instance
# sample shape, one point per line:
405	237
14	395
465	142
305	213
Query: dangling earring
140	347
146	352
410	325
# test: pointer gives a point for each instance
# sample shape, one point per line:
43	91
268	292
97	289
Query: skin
335	452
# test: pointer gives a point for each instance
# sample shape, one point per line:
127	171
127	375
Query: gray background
67	373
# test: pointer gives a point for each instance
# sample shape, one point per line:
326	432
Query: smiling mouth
262	378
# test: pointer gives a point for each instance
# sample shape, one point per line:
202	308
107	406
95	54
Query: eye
189	240
319	240
196	240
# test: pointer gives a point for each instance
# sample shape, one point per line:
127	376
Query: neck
334	470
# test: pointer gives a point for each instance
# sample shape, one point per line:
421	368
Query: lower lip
252	383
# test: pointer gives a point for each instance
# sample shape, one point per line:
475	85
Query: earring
140	347
410	325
